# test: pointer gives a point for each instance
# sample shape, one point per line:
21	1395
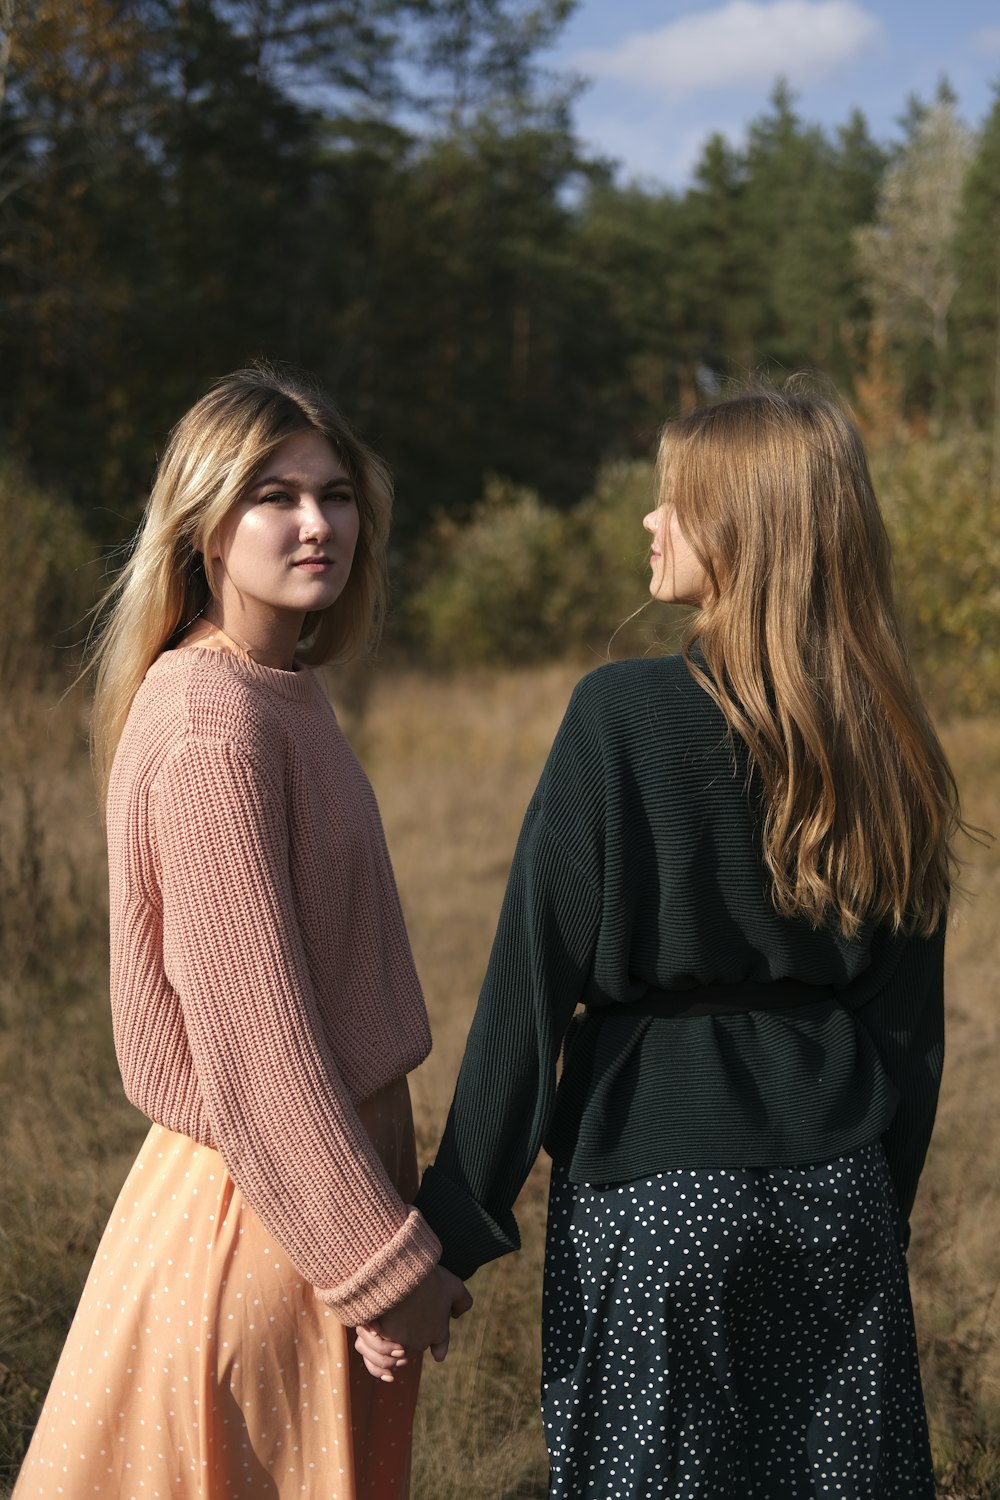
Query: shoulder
210	695
634	696
201	705
629	713
617	680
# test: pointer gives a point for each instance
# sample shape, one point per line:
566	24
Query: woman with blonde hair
737	863
265	1004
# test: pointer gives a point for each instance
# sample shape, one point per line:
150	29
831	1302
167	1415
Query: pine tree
728	287
805	196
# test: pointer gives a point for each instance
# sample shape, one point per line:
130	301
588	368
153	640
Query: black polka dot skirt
733	1334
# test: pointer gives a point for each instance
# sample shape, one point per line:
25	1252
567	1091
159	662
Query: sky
662	75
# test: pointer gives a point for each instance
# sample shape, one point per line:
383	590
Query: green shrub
941	513
485	599
604	578
521	582
52	578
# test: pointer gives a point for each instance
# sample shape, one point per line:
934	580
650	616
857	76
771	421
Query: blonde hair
806	660
211	457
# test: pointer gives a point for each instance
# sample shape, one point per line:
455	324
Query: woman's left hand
381	1355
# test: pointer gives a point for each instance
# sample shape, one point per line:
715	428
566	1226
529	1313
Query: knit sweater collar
299	686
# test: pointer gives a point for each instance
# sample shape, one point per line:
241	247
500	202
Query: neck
270	649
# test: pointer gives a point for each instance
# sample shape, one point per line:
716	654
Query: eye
274	497
339	497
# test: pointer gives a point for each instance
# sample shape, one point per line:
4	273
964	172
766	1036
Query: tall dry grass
453	763
68	1132
956	1240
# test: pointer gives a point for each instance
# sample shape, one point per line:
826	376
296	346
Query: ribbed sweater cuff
469	1235
391	1274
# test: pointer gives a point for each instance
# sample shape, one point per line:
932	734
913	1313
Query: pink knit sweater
261	977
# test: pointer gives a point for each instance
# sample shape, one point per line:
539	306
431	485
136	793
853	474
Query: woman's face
286	547
677	575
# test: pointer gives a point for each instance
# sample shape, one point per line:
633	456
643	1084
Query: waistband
720	1000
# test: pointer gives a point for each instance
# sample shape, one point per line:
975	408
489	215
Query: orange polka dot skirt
200	1364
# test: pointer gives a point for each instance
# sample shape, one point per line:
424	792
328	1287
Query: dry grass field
453	763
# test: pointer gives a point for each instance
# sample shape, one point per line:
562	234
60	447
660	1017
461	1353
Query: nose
314	526
649	522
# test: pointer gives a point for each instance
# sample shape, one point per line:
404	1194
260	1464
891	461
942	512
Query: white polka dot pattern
718	1333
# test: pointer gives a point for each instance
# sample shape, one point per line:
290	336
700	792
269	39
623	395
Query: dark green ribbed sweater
638	867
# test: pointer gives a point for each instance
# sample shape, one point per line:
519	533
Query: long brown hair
806	659
211	457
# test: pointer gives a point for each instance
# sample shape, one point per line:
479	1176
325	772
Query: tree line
391	194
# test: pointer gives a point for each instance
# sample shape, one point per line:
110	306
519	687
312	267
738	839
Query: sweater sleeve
541	957
280	1115
906	1023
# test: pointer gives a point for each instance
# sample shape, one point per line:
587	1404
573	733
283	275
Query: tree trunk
6	27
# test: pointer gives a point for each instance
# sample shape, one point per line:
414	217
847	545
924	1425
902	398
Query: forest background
390	193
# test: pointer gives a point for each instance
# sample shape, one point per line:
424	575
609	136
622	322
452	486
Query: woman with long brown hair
737	863
265	1004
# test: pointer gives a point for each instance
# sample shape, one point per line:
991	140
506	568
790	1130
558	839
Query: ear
204	560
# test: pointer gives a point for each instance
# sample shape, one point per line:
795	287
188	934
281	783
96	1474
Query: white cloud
744	42
987	40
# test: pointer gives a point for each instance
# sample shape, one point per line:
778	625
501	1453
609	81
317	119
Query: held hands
420	1321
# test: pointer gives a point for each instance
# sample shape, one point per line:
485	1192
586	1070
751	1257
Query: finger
378	1344
461	1303
376	1358
380	1361
440	1351
377	1340
385	1354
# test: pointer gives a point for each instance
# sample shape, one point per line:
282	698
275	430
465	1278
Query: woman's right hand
421	1321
